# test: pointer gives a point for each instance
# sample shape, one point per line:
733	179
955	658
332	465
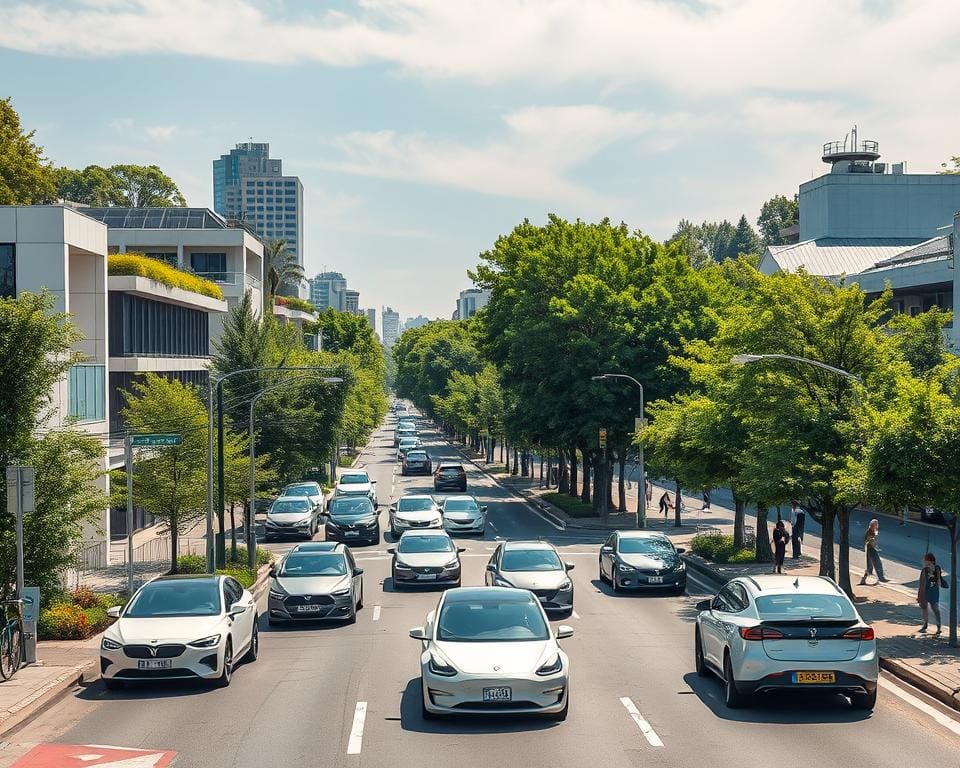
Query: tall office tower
391	326
470	301
371	315
250	186
352	302
328	290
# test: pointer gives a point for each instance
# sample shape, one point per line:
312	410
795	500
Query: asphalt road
348	695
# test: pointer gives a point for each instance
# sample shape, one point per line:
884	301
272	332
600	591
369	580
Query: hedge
573	507
143	266
719	549
76	615
295	302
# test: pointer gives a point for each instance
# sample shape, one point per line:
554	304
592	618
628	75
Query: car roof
211	577
528	545
425	532
420	450
466	594
642	535
353	472
288	498
451	464
416	496
317	546
302	483
778	584
460	497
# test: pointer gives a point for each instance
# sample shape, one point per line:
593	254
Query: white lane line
356	733
947	722
575	614
376	613
645	727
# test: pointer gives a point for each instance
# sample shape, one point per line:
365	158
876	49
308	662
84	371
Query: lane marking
645	727
356	733
376	613
947	722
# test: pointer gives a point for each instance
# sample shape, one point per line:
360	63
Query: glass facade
86	391
8	270
211	265
141	327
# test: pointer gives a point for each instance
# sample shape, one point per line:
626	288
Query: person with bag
780	539
928	594
871	544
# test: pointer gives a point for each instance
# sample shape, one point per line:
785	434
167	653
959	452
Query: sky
424	129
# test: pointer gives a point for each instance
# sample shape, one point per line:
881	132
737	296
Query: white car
463	514
774	633
310	489
180	628
292	516
356	483
414	511
491	650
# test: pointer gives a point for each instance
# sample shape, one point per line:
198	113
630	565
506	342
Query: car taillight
760	633
860	633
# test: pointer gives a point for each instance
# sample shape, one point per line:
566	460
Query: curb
46	698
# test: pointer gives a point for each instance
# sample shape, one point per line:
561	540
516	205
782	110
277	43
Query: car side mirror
418	633
273	570
569	566
392	550
358	571
681	550
461	549
114	612
236	609
564	631
704	605
491	567
373	482
606	549
483	508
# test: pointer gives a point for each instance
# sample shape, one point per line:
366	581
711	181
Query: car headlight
553	666
451	565
502	582
625	567
305	521
110	645
205	642
276	594
341	592
440	667
566	586
681	566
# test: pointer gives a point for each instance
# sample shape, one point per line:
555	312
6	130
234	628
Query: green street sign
146	441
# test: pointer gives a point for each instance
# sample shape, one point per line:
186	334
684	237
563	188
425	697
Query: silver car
414	511
533	565
292	516
310	489
314	581
773	633
425	558
463	514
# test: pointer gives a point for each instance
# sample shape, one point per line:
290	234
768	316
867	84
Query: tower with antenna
852	155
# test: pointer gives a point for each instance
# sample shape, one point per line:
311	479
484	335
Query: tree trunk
574	472
739	514
599	473
763	552
507	462
233	532
843	566
585	481
608	482
549	466
622	494
677	520
525	463
502	441
516	460
541	471
826	543
563	472
174	548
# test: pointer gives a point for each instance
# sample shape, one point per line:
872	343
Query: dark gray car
426	558
316	582
533	565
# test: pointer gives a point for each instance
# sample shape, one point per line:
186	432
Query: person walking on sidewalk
798	520
780	539
665	503
871	544
928	595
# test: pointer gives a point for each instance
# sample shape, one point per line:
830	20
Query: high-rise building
250	186
328	290
371	315
470	301
390	322
415	322
352	302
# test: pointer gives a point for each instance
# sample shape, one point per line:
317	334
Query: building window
8	270
142	327
86	390
168	257
211	265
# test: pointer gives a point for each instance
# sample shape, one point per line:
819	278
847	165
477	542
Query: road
348	695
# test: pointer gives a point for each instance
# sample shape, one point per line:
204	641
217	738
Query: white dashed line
645	727
947	722
376	613
356	733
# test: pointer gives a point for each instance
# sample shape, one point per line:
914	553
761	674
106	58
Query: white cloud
130	128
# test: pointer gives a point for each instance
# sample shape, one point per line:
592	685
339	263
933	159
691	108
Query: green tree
94	186
236	473
953	167
26	177
134	186
745	240
919	339
778	213
281	270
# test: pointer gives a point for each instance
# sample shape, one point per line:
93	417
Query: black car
450	476
639	560
352	519
416	461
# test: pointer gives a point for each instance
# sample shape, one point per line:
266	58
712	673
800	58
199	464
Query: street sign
147	441
26	496
31	612
603	438
67	755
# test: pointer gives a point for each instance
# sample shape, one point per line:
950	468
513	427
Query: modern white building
390	323
470	301
352	302
328	290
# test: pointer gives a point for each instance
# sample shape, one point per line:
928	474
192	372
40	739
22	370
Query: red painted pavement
74	756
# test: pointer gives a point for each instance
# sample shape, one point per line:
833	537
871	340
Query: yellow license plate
814	677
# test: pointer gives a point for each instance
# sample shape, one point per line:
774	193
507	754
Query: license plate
497	694
155	664
814	677
350	534
427	576
308	609
655	579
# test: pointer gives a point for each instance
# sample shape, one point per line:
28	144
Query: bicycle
11	638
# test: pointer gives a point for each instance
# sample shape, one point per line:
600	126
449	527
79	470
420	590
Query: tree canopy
134	186
26	176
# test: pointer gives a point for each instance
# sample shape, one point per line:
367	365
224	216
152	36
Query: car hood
288	517
517	658
421	516
312	585
169	629
463	515
425	559
352	519
535	579
650	562
355	487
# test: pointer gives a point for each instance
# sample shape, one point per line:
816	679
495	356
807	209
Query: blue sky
423	129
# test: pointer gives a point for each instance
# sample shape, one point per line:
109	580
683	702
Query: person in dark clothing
665	503
928	595
798	519
780	539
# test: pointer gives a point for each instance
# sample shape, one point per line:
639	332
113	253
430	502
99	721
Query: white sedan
181	628
490	650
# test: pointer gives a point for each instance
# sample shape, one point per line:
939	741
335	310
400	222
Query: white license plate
353	534
155	664
655	579
497	694
308	609
427	576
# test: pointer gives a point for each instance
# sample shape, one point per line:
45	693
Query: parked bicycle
11	638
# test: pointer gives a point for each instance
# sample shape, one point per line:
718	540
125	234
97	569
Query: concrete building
328	290
415	322
352	302
469	301
249	185
371	315
390	323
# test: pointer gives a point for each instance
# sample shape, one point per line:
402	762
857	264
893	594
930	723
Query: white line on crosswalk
356	733
645	727
947	722
376	613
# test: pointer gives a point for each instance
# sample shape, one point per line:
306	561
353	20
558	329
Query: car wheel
352	616
254	650
613	583
864	701
731	696
113	685
603	578
224	680
699	662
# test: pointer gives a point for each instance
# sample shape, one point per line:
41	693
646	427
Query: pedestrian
706	500
871	544
665	503
928	594
798	520
780	539
649	493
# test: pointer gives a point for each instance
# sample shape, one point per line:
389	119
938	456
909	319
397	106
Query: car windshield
301	490
314	564
492	621
530	560
285	506
416	456
354	479
414	505
652	546
461	505
176	597
359	507
408	442
419	544
801	606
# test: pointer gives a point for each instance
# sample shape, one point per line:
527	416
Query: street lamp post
642	495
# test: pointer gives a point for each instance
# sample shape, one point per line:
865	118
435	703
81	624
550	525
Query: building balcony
240	279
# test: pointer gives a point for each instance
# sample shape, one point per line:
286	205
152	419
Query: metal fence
150	559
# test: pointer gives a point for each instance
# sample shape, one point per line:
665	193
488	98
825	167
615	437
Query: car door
242	624
356	580
606	558
713	626
489	576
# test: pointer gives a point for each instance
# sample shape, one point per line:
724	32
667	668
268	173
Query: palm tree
280	267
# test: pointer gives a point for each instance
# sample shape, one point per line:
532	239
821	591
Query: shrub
719	549
143	266
83	597
264	556
295	302
242	575
192	564
62	621
573	507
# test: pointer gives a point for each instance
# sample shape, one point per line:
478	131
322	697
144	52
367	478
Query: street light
744	359
642	496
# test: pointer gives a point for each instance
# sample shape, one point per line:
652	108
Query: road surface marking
947	722
645	727
356	733
575	614
376	613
